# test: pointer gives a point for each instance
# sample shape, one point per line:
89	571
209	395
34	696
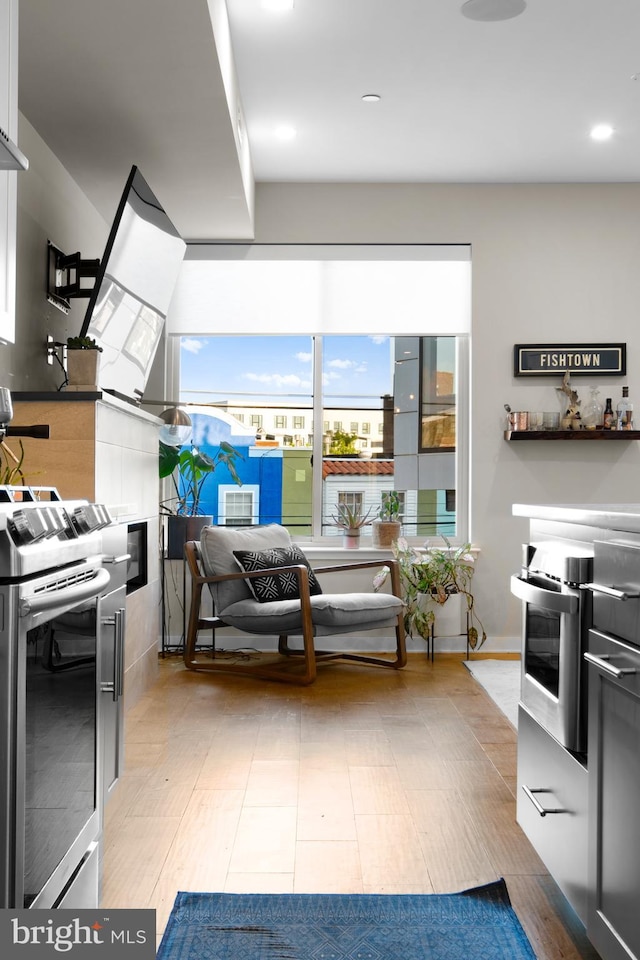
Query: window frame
457	322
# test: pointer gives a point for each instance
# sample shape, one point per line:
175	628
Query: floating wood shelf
571	435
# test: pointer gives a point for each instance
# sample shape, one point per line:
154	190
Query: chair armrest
359	565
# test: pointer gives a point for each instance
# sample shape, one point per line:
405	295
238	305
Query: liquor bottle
624	411
609	420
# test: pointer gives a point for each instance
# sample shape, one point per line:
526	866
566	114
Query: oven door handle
549	599
61	600
611	591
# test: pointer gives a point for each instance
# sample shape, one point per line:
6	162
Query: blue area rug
478	924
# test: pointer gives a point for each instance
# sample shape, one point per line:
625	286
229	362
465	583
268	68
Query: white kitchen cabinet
8	178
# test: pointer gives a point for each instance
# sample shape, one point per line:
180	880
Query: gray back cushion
217	545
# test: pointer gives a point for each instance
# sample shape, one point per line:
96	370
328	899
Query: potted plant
188	468
83	354
387	527
351	520
430	580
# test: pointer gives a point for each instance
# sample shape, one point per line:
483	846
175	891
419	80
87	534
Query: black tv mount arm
65	276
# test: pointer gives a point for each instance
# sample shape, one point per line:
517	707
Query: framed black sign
579	359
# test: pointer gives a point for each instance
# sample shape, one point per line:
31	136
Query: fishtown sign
541	359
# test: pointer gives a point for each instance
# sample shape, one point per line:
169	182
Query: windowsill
366	552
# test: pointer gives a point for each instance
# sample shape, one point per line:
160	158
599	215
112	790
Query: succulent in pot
83	357
351	520
386	528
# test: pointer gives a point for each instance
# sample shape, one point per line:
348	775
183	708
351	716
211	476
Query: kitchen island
579	806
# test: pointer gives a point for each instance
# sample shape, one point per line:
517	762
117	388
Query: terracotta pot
384	532
351	539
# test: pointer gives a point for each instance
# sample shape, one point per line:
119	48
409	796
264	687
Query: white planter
82	368
449	616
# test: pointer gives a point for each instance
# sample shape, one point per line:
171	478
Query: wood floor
368	781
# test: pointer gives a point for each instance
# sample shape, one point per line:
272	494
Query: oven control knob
27	526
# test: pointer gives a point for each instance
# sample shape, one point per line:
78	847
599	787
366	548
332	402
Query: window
237	507
356	375
438	394
352	499
336	391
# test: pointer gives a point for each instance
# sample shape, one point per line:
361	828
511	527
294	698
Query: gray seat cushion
331	613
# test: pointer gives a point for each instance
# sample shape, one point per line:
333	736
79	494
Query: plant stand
430	640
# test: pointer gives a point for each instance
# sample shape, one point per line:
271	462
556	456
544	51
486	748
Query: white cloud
304	357
191	345
277	379
342	364
379	339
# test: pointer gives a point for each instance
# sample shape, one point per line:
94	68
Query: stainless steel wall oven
555	619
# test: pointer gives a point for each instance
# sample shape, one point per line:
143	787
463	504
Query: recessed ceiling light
371	97
277	6
284	132
601	131
492	10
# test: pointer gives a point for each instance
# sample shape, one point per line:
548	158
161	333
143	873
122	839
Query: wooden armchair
275	593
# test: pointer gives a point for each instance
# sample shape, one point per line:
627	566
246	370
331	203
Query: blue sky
356	370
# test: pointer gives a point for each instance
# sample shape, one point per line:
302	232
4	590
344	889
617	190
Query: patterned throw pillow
277	586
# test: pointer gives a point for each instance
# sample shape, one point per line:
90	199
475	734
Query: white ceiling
108	84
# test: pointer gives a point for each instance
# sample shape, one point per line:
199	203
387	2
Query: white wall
549	263
51	206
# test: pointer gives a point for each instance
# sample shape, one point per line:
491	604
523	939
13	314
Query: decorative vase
181	529
351	539
593	413
82	369
384	532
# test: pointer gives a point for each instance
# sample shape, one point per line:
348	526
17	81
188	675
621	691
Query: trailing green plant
82	343
350	517
436	573
188	468
389	506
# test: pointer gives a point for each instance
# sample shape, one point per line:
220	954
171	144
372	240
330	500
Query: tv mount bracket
65	276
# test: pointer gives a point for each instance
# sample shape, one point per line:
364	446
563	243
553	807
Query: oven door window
542	643
60	784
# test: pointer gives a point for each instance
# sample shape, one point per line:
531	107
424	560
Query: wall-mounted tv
133	289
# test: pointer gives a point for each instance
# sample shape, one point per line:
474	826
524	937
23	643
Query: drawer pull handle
543	811
611	591
602	662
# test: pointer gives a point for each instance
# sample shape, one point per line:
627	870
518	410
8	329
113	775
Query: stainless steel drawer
552	808
616	590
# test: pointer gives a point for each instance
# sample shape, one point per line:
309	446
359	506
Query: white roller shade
322	290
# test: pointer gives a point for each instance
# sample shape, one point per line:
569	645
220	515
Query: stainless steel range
51	563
